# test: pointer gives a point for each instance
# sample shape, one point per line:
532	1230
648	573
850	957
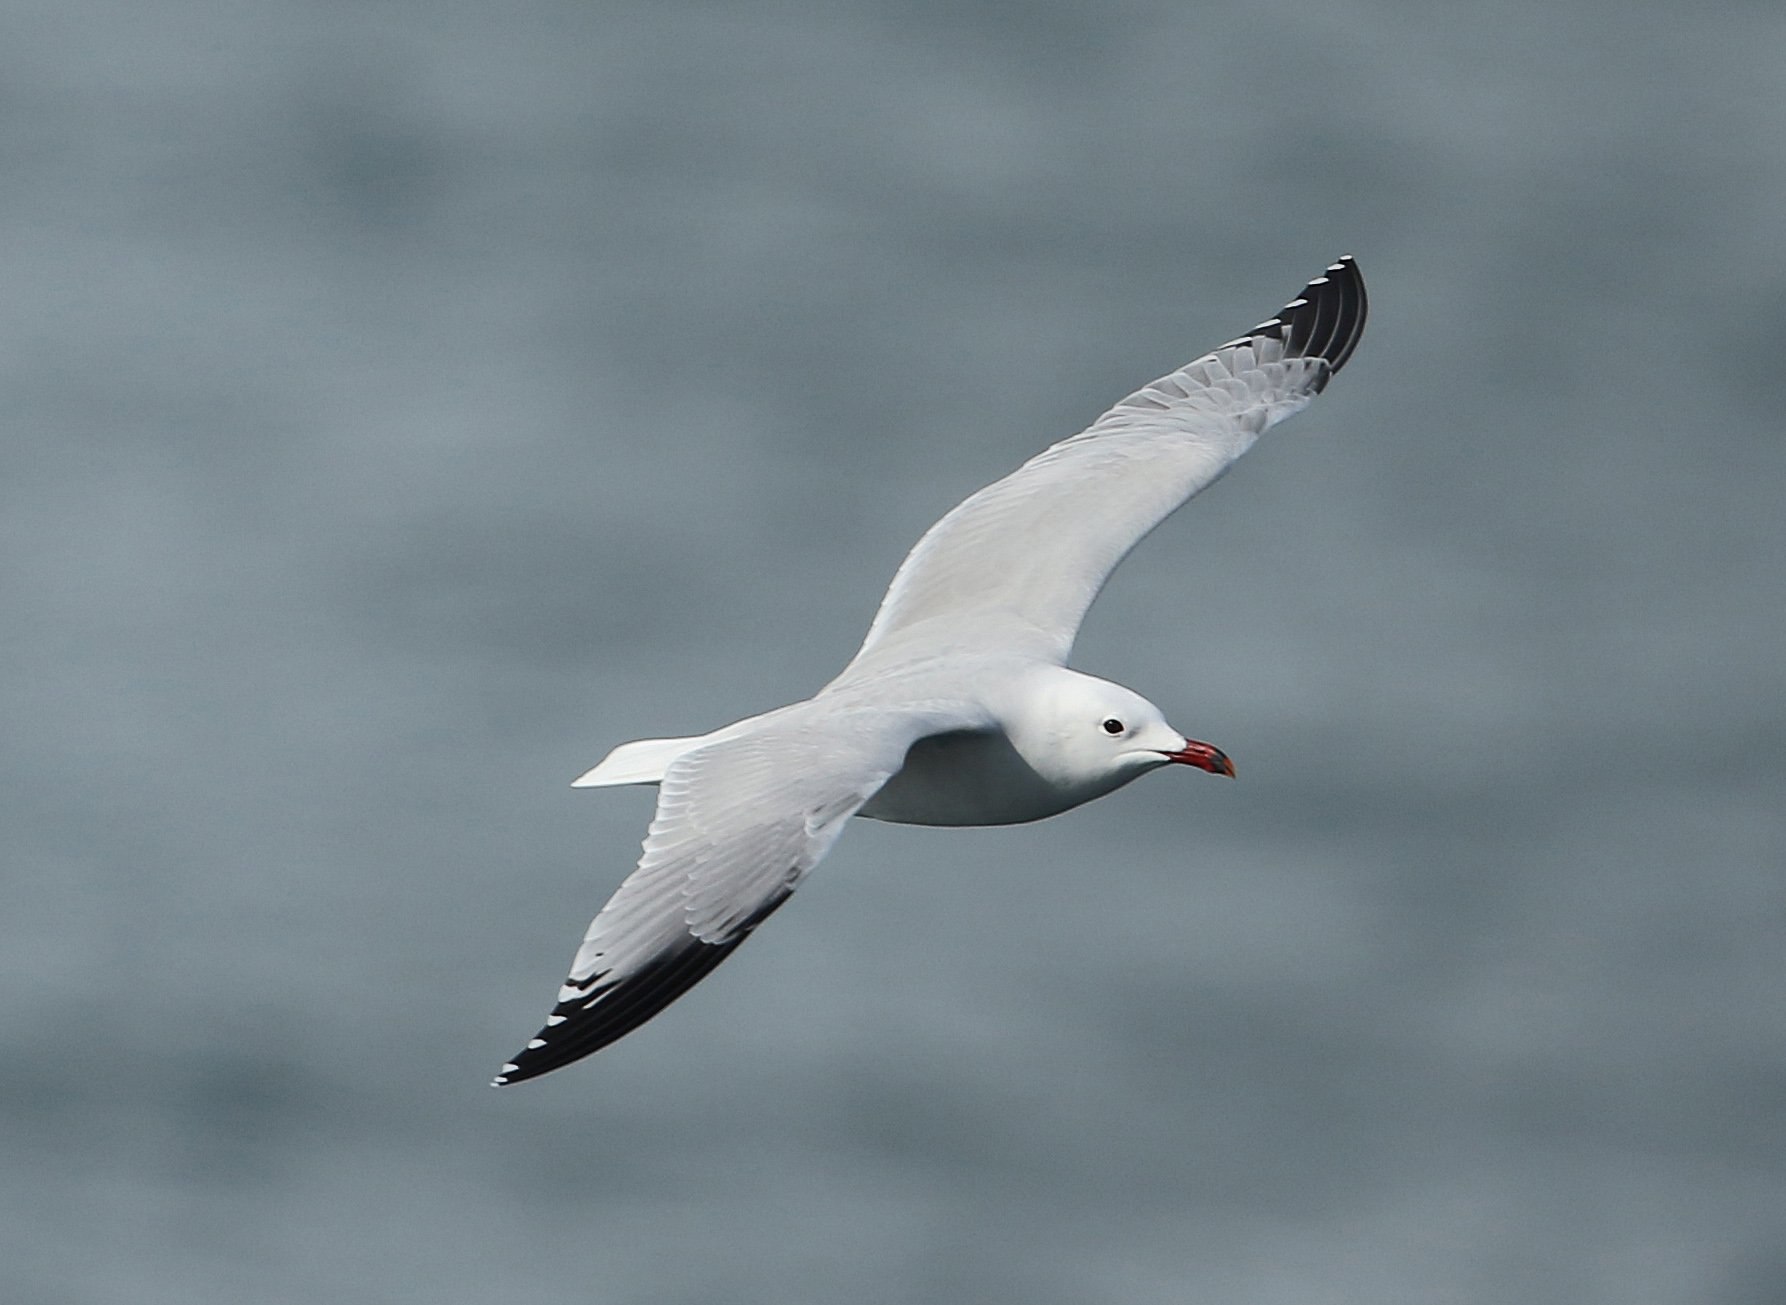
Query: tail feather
641	762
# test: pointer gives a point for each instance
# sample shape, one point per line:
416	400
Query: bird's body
959	708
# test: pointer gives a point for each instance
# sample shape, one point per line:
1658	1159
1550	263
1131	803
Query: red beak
1204	756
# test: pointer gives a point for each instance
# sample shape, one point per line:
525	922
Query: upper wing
1021	560
739	822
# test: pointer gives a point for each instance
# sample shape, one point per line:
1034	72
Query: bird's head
1077	730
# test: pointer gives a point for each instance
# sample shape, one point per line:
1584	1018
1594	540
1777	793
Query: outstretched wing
738	824
1020	561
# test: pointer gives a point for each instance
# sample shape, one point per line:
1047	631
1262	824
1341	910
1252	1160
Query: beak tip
1204	756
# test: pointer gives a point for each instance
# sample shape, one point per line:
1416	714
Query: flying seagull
959	708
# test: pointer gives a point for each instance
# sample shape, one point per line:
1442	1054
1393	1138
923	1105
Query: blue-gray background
406	402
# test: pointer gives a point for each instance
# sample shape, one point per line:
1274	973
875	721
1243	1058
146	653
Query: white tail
645	760
641	762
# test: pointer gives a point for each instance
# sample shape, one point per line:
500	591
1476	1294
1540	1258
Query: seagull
959	708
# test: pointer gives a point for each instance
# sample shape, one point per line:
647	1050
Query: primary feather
1001	570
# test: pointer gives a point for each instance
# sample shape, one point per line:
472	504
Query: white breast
973	779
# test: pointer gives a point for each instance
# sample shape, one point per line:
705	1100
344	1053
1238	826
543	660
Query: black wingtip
606	1009
612	1008
1325	321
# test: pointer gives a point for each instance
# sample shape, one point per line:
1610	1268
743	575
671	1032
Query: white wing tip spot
553	1021
534	1044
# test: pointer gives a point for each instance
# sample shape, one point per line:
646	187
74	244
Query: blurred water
407	402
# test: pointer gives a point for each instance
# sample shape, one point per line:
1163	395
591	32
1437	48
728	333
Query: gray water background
403	403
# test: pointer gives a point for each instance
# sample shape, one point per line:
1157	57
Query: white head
1080	732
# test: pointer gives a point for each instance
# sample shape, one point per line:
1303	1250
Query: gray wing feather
739	823
1017	565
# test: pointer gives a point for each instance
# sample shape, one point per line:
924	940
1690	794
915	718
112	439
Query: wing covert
739	823
1020	562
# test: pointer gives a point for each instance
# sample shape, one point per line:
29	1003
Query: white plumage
958	709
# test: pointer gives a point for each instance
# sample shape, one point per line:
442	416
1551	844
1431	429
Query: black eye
1114	726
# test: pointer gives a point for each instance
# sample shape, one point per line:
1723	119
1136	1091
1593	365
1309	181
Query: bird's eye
1114	726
